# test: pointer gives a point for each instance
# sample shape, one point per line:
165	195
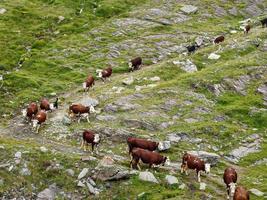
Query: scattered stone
155	78
89	101
191	120
165	125
25	172
2	11
83	173
91	189
202	186
256	192
165	145
18	155
188	9
91	181
219	11
148	176
66	120
233	31
182	186
43	149
253	10
233	11
60	19
211	158
107	160
199	41
80	184
48	193
171	179
135	123
214	56
128	81
106	118
70	172
110	173
88	158
187	66
111	108
118	89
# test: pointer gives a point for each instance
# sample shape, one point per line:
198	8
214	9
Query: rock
60	19
18	155
43	149
155	78
211	158
148	176
66	120
53	94
233	31
25	172
88	158
117	89
107	160
219	11
91	181
48	193
188	9
199	41
187	66
233	11
89	101
253	10
165	125
182	186
171	179
2	11
111	108
83	173
111	173
80	184
214	56
165	146
106	117
263	90
256	192
128	81
91	189
135	123
191	120
202	186
174	137
70	172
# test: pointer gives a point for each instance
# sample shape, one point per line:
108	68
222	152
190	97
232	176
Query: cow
247	29
46	106
135	64
241	193
104	74
81	111
230	178
38	120
30	111
143	144
147	157
89	82
192	48
218	39
264	22
90	137
193	162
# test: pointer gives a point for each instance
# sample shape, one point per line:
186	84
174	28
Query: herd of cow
139	149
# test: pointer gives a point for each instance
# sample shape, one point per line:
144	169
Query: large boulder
171	180
188	9
111	173
148	176
48	193
89	101
83	173
128	81
211	158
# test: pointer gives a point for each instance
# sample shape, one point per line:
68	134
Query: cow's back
241	194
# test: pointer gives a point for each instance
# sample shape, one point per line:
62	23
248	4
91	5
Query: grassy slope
233	63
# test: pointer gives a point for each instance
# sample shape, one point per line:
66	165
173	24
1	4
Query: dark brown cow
89	82
241	193
104	74
38	120
247	29
81	111
30	111
147	157
90	137
230	178
218	39
135	64
143	144
193	162
45	105
264	22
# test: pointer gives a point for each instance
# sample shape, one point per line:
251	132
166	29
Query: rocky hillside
212	102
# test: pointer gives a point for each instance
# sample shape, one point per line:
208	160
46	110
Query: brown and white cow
241	193
193	162
30	111
135	64
38	120
89	82
247	29
143	144
219	39
230	178
46	106
81	111
147	157
104	74
90	137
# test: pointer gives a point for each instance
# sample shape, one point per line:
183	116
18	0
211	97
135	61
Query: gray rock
187	66
89	101
165	145
111	108
80	184
18	155
214	56
219	11
263	89
191	120
165	125
43	149
256	192
48	193
83	173
91	181
91	189
182	186
238	85
211	158
148	176
253	10
70	172
171	179
107	160
202	186
135	123
233	11
188	9
174	137
25	172
111	173
106	118
128	81
66	120
155	78
2	11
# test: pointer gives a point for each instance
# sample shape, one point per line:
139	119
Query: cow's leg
138	166
87	118
82	143
198	176
93	145
182	168
84	147
186	170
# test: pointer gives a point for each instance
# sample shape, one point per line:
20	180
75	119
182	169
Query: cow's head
24	112
34	123
96	138
232	189
160	146
84	85
207	168
166	161
130	64
92	109
51	106
99	73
